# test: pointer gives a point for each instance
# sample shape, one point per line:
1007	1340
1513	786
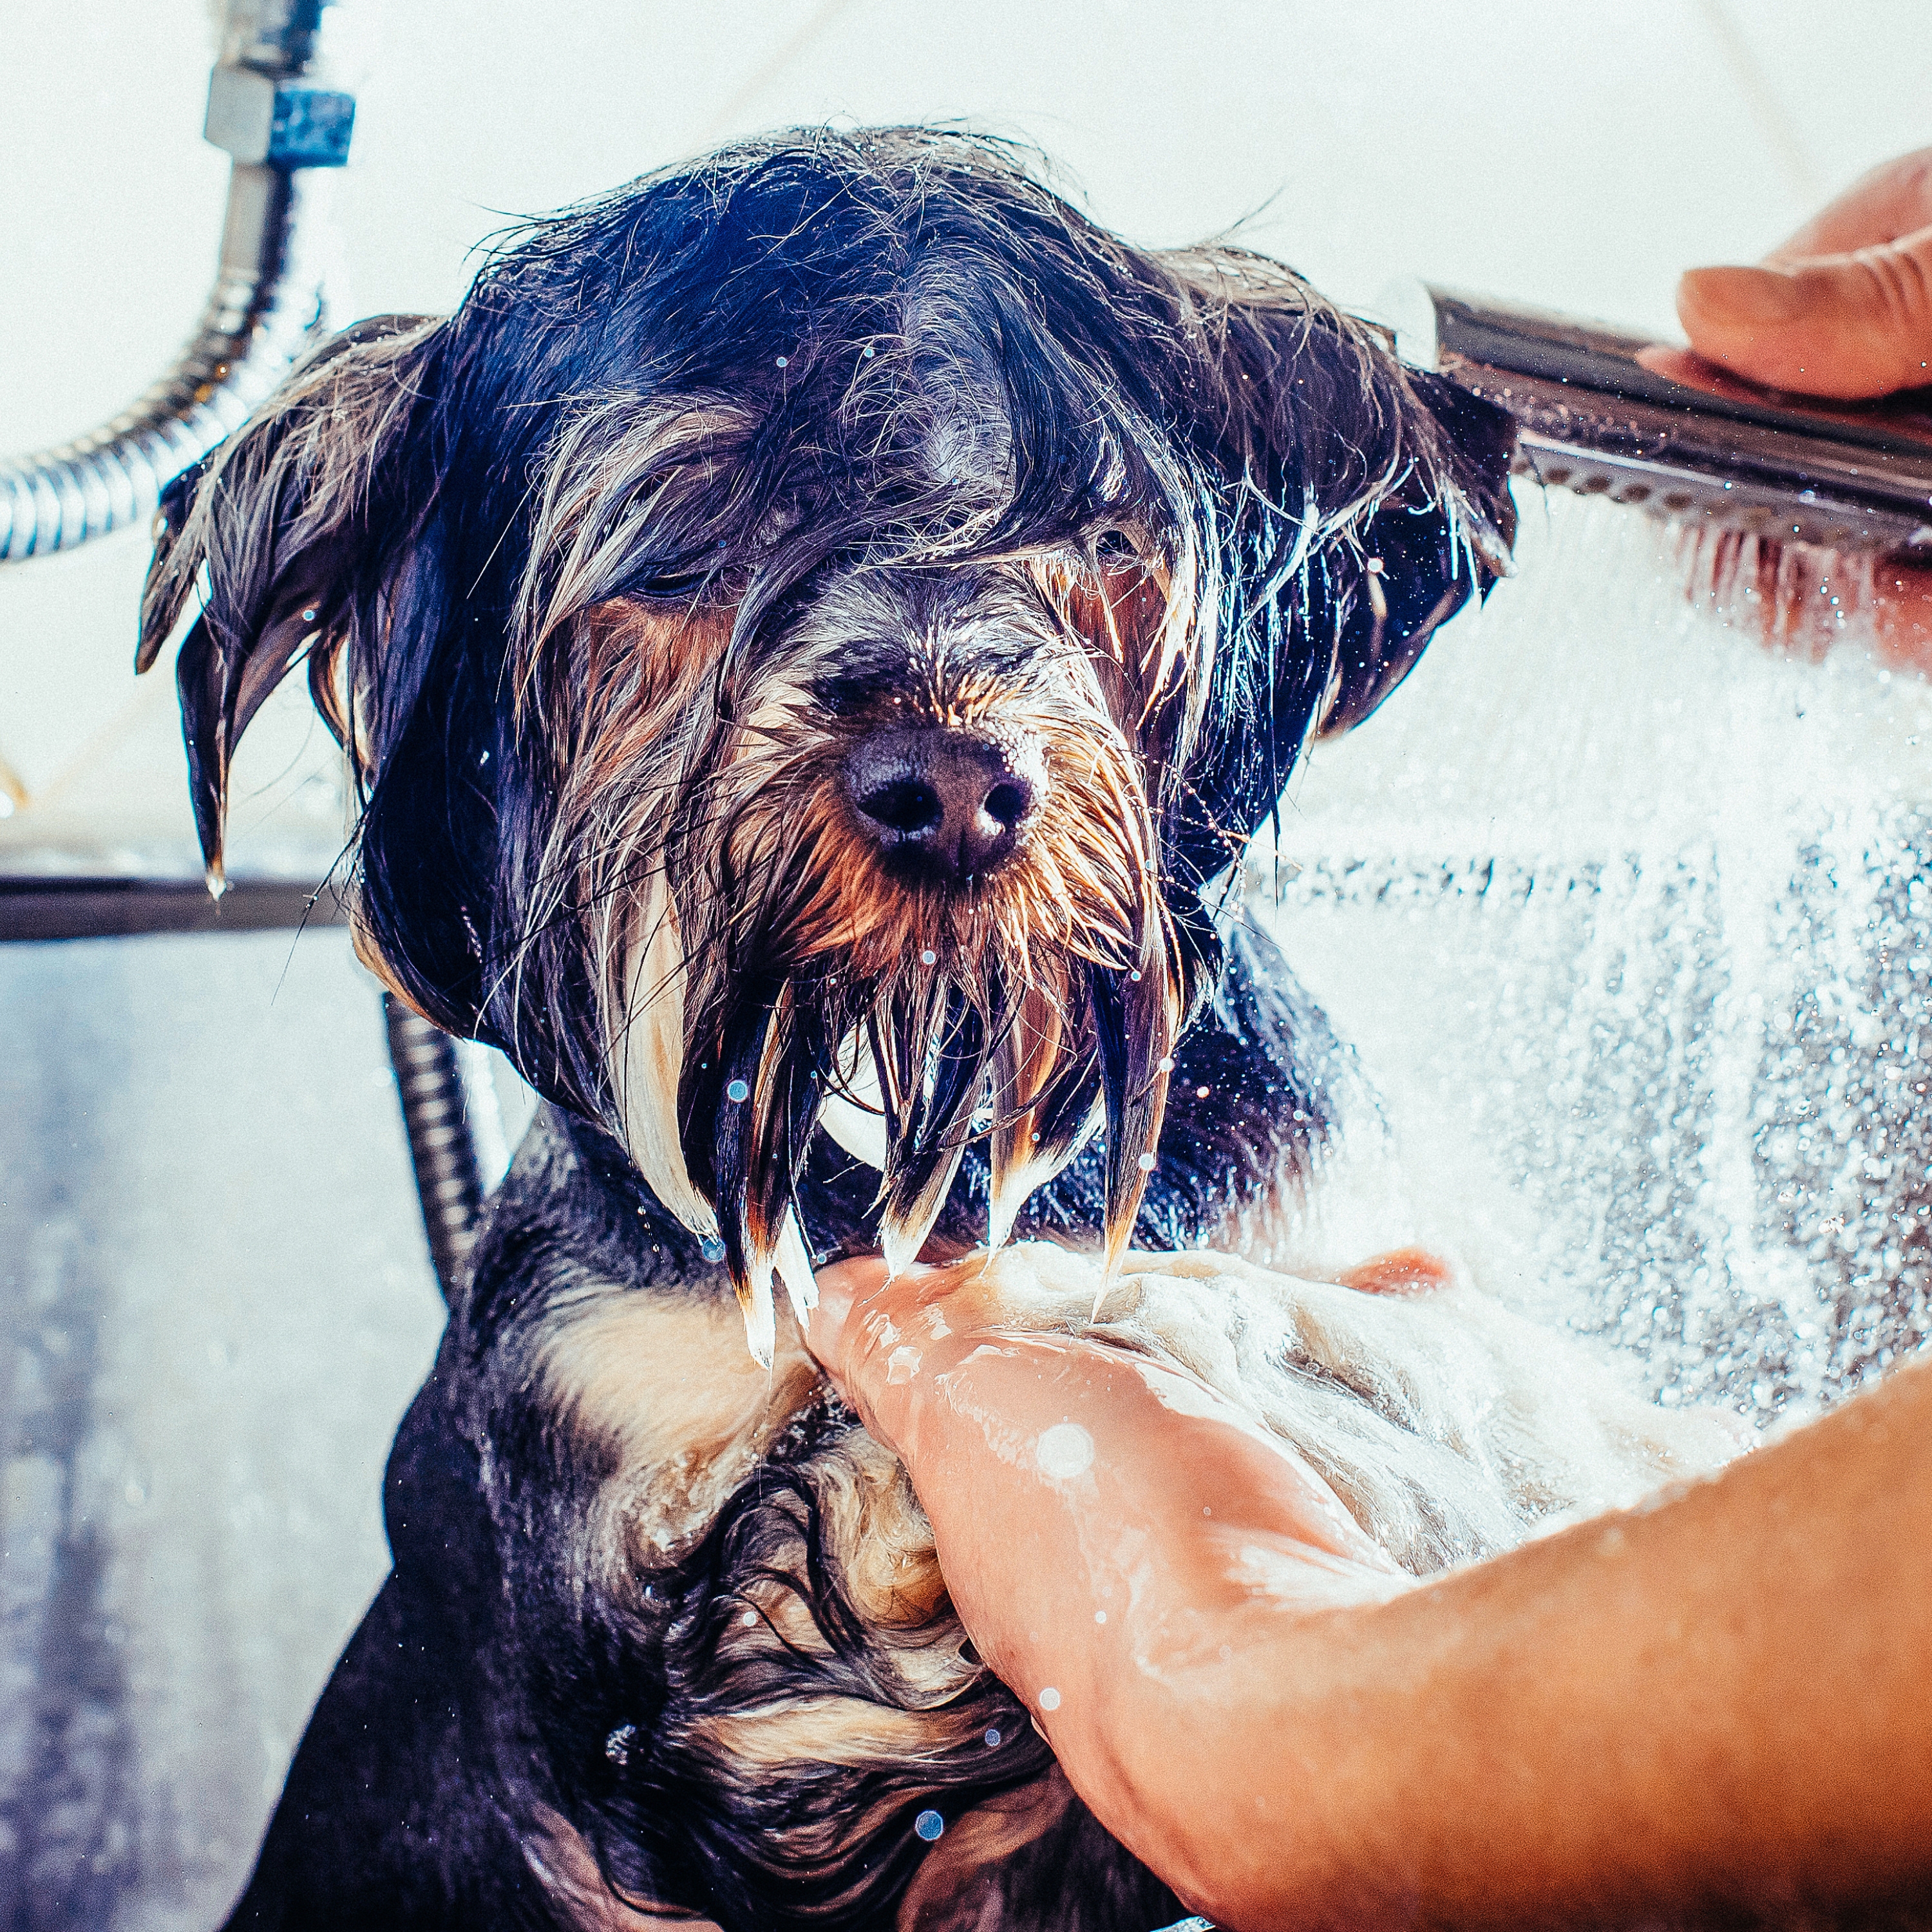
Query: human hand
858	1309
1842	309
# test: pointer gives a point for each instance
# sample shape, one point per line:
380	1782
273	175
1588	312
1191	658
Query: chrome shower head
1730	456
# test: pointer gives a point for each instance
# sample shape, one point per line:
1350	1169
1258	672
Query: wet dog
813	635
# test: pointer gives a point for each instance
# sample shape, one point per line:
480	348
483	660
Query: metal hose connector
268	303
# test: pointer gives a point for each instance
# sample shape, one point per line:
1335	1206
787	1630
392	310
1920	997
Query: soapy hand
859	1316
1174	1590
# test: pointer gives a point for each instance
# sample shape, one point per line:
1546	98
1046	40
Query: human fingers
1661	358
1902	615
1893	199
841	1287
1848	326
1803	602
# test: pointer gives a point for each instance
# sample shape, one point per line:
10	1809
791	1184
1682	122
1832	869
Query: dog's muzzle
951	804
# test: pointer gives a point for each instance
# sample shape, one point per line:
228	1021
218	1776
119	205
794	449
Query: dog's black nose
959	802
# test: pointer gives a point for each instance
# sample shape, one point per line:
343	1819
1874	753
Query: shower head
1731	456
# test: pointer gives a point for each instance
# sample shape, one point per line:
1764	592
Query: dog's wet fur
668	599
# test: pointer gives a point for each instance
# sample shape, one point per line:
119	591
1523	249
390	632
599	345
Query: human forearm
1693	1700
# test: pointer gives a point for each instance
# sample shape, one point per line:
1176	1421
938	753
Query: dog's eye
671	587
843	696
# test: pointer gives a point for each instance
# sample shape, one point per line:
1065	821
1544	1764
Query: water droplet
868	355
1049	1698
711	1247
1201	1093
1148	1163
1100	1616
782	360
737	1090
928	957
308	617
1166	1063
1134	977
749	1618
992	1740
617	1745
928	1825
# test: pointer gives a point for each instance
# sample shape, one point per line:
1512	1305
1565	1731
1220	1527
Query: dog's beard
1034	1008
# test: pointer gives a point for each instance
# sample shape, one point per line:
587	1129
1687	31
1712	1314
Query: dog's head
819	618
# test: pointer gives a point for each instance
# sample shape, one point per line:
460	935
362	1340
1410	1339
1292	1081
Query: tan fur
648	1055
565	1868
612	471
663	1382
700	810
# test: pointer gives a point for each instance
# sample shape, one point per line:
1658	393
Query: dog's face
911	851
811	626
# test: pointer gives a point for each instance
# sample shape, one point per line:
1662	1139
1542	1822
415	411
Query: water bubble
782	360
617	1745
1049	1698
749	1618
869	352
1100	1616
928	957
1148	1163
1166	1063
737	1090
1135	977
928	1825
711	1247
1065	1450
992	1740
1201	1093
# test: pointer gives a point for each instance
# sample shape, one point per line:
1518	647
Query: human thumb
1842	325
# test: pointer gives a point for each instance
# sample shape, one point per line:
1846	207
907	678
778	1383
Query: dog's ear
286	530
1443	534
1375	496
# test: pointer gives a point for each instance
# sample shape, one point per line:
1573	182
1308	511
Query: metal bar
35	907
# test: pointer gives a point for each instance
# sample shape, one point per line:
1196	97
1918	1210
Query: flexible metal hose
265	109
454	1128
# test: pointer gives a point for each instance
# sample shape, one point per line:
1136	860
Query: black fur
487	1678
